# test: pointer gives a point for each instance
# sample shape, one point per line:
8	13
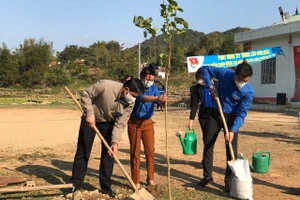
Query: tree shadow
277	136
65	165
188	179
51	175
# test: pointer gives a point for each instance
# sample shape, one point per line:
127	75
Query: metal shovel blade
143	194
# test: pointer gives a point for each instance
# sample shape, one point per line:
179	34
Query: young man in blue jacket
236	95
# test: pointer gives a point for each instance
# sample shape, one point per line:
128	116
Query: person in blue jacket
236	95
141	126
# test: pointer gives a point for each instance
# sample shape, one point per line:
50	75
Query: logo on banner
194	62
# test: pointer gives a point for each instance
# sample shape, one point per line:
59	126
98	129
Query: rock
78	196
69	196
190	188
85	192
95	192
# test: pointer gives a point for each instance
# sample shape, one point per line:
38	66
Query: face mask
201	82
239	84
148	84
129	98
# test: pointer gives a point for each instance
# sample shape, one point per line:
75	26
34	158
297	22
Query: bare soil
41	142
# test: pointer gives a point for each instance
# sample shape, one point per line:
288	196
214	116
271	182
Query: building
279	76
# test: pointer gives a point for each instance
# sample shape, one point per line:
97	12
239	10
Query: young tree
172	25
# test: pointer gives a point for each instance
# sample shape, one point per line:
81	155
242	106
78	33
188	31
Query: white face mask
201	82
129	98
148	84
240	84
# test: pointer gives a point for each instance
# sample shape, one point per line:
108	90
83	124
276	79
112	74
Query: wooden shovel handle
35	188
225	126
104	142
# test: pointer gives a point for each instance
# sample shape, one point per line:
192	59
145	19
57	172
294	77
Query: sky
67	22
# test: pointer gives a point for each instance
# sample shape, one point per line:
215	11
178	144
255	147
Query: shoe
204	182
227	188
109	192
70	191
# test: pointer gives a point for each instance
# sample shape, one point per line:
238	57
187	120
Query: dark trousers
84	147
212	129
203	121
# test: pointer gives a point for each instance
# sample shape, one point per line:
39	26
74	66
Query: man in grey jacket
107	105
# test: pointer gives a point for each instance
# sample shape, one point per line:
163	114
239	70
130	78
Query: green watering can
261	162
189	142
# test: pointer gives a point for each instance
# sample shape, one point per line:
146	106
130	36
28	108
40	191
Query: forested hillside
35	64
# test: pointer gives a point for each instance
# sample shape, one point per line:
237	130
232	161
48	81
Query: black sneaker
69	190
204	182
109	192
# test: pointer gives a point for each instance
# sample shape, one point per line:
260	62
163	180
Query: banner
232	60
297	72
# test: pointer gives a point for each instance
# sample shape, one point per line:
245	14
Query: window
268	71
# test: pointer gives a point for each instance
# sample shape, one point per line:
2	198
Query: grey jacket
103	100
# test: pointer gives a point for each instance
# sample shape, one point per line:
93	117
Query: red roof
77	61
93	71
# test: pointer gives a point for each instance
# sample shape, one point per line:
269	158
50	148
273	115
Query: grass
55	103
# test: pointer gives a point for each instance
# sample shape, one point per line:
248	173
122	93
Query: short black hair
244	69
127	76
198	73
150	69
135	85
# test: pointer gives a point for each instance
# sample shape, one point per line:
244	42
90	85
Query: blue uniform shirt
233	100
145	110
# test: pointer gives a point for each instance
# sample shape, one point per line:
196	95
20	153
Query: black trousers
84	147
210	135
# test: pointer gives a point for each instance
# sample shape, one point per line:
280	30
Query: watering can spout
179	135
251	168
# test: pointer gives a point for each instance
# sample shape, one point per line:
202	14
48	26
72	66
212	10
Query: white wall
285	69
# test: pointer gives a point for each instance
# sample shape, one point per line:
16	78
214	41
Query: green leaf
141	19
179	20
180	9
145	34
185	24
161	55
135	19
174	3
163	6
167	40
173	24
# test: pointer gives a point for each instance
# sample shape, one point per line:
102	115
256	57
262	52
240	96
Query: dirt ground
52	133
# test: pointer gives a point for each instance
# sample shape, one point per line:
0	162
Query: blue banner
232	60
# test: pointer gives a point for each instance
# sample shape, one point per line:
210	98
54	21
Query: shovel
141	194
